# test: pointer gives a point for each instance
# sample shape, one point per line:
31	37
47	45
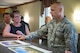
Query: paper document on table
41	49
29	49
13	43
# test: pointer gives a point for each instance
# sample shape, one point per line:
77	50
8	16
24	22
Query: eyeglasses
17	16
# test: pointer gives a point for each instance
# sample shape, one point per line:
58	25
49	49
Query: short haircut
5	14
59	4
14	12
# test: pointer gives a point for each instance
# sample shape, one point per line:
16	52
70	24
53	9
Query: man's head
57	10
47	19
6	18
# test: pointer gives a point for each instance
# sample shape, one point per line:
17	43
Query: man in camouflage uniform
62	36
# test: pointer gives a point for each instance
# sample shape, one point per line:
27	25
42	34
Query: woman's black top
14	29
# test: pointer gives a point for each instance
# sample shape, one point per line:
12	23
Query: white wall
70	6
42	18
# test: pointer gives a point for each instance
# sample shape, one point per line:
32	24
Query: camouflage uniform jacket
59	35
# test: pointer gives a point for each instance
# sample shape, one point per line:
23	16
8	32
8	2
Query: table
6	50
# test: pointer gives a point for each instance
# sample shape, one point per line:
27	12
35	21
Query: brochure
13	43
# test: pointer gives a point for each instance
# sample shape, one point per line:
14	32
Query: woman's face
17	18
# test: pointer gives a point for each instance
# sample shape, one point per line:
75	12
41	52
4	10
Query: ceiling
9	3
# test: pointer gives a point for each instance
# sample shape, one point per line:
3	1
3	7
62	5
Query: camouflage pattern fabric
60	35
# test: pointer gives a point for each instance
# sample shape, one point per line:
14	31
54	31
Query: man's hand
21	37
68	52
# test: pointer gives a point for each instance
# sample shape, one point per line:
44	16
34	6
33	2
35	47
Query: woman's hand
19	32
